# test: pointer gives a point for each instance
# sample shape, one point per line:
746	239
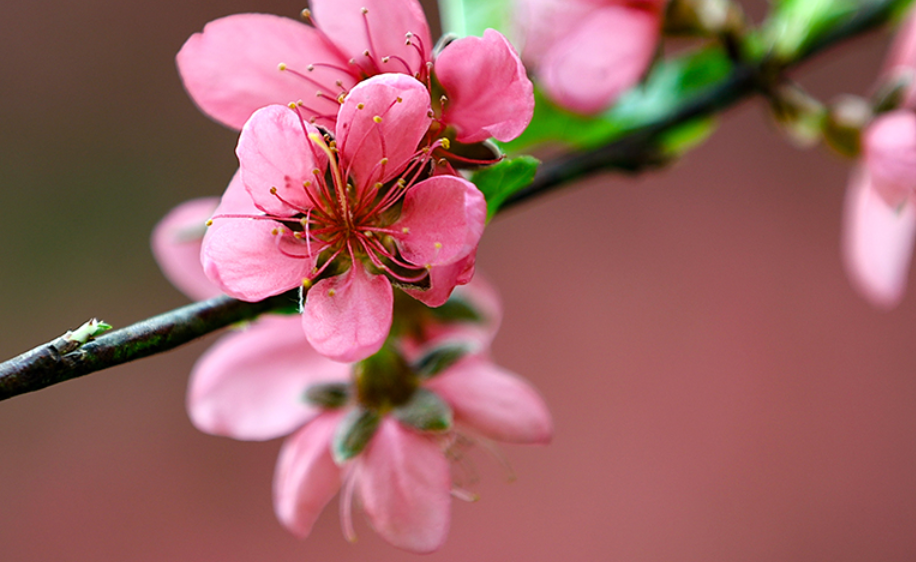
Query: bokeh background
719	391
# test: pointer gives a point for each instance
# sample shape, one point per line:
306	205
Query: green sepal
328	395
354	433
440	359
499	181
456	309
425	411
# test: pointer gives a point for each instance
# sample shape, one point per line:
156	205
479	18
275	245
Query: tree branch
61	360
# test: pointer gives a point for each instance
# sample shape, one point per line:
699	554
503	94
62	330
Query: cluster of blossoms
880	214
352	132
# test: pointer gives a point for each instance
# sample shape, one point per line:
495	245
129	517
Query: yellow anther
306	14
405	230
364	10
300	103
209	222
297	235
398	100
386	59
402	182
383	161
438	245
378	185
341	97
281	67
273	190
306	184
445	143
303	221
306	282
366	53
377	119
274	232
428	266
291	105
360	106
332	292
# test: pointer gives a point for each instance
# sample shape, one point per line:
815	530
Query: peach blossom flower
585	53
348	216
267	382
880	210
233	67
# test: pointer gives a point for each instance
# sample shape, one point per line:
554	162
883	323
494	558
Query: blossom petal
231	68
347	317
542	23
381	31
384	117
306	477
443	279
606	54
176	245
251	384
489	93
275	152
493	401
877	242
441	222
243	257
889	147
404	484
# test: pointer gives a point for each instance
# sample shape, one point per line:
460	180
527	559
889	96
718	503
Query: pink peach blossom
585	53
347	215
879	220
176	243
253	384
243	62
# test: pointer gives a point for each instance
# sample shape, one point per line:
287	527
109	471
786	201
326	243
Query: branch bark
57	361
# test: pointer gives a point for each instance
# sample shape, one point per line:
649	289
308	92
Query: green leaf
668	84
354	433
425	411
679	140
501	180
472	17
794	24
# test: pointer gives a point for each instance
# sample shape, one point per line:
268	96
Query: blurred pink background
719	391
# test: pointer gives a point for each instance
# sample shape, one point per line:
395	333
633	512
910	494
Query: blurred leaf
794	24
679	140
425	411
501	180
472	17
440	359
668	84
353	434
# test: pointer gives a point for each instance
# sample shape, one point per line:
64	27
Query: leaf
794	24
354	433
440	359
501	180
472	17
668	84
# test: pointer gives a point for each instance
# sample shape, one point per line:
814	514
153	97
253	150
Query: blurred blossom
345	217
384	431
243	62
585	53
879	218
176	243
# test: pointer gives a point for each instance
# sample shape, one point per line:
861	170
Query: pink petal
441	221
493	401
385	128
489	94
243	257
877	242
443	279
251	384
404	484
602	57
306	477
176	245
231	68
889	147
381	31
543	23
275	152
347	317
